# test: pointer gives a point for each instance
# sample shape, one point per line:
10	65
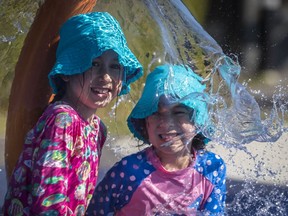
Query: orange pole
30	91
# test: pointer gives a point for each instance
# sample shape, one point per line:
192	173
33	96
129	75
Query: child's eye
179	112
116	66
155	115
95	64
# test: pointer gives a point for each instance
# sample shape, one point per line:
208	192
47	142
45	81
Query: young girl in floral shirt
57	171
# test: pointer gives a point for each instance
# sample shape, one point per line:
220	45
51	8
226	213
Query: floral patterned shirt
57	170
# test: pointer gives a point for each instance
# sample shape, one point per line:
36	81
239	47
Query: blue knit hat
85	37
177	83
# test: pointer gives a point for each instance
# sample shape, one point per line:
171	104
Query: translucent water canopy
234	113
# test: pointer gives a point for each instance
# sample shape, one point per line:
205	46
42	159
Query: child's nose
104	74
165	120
105	77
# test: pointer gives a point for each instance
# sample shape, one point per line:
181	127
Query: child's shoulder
134	158
208	155
134	161
59	108
59	111
134	167
208	162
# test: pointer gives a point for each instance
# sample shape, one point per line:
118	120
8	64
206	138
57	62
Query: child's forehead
169	102
108	54
163	107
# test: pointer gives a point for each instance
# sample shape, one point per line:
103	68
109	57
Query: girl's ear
119	88
64	78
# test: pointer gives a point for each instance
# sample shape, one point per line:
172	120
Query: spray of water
236	113
236	118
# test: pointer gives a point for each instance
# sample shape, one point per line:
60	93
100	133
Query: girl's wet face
170	129
99	85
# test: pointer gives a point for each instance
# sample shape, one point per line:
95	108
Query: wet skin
96	87
170	131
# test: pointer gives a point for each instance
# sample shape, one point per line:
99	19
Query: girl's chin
171	142
102	103
101	97
174	147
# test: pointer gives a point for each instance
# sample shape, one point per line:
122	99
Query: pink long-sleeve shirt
57	171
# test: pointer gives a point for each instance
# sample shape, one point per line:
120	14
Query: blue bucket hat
85	37
177	83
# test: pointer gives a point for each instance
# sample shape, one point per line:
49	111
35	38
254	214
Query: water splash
255	199
184	39
236	116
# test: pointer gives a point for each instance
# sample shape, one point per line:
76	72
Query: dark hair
61	88
198	142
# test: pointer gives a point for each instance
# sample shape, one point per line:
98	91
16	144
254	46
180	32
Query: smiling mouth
168	137
100	90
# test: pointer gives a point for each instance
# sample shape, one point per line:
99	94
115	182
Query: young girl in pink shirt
175	175
57	171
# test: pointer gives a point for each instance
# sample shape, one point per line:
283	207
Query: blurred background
254	30
257	32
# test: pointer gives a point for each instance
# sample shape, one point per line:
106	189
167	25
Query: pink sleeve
50	165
